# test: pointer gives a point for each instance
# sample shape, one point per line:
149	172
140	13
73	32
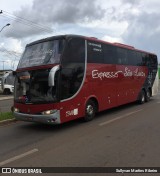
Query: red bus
66	77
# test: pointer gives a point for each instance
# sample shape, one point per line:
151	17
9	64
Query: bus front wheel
90	110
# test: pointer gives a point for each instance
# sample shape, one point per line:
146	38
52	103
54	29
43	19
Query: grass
6	115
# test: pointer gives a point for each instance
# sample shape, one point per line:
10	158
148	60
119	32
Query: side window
145	59
131	57
139	59
74	52
136	58
153	60
122	56
95	52
109	54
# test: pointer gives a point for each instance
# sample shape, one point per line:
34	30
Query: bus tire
148	95
142	97
90	110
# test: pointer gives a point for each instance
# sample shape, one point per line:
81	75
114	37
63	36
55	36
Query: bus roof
119	45
89	38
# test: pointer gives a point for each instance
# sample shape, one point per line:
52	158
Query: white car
1	85
7	84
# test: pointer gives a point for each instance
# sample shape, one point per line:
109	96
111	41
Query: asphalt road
127	136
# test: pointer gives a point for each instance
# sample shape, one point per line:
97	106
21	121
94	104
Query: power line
13	55
29	22
10	52
3	63
25	21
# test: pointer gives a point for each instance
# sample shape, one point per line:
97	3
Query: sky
132	22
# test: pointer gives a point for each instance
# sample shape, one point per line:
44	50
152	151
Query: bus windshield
48	52
34	87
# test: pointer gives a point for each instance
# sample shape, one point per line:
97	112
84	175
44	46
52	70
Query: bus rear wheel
148	95
90	111
142	97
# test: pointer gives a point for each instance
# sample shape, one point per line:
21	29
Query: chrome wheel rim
90	110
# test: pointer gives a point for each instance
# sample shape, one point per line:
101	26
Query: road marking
120	117
18	157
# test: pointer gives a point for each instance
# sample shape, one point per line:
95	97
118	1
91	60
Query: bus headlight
48	112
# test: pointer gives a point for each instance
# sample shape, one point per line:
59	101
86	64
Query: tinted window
136	58
122	56
95	52
73	66
139	59
153	59
131	57
71	80
74	52
109	54
145	59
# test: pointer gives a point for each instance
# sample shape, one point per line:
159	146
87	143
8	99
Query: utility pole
3	63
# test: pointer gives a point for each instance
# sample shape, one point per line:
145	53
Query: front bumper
48	119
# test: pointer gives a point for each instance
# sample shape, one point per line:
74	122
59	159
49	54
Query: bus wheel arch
91	107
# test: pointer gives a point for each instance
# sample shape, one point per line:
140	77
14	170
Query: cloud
142	28
144	32
112	39
63	11
10	51
131	2
134	22
52	13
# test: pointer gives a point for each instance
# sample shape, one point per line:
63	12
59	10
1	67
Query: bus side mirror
51	78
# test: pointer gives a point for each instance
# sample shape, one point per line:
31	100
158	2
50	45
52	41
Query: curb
6	122
5	98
